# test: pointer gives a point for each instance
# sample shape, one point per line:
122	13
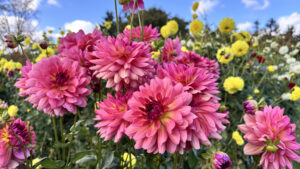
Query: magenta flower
269	133
149	34
21	83
159	114
172	50
194	59
56	85
250	106
121	62
76	45
220	160
139	4
110	116
11	152
203	87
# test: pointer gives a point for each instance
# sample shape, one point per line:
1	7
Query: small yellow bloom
50	31
271	68
126	163
233	84
250	97
195	6
255	44
238	138
225	55
226	25
28	110
12	110
196	27
27	41
35	46
172	27
240	48
36	160
164	32
195	16
184	49
108	24
155	54
18	65
256	91
10	65
127	27
235	37
246	35
295	95
62	32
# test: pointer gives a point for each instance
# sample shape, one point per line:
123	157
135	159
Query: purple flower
10	41
250	106
220	160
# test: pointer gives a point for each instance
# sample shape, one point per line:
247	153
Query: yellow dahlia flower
196	27
233	84
226	25
172	27
225	55
240	48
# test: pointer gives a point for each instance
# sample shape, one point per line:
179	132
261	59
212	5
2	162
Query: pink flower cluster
270	134
11	150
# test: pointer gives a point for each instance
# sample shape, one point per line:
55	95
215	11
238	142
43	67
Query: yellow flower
271	68
196	27
108	24
126	161
239	48
184	49
256	91
36	160
295	95
164	32
155	54
18	65
233	84
35	46
3	61
10	65
246	35
225	55
255	44
62	32
238	138
0	52
226	25
28	110
172	26
12	110
195	6
127	27
250	97
27	41
195	16
50	31
235	37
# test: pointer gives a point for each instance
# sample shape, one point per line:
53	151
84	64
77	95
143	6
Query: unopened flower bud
250	106
220	160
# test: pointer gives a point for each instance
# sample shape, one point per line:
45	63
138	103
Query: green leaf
192	160
49	163
108	160
60	145
82	154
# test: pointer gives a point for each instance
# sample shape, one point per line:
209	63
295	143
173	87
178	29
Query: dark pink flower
172	50
139	4
220	160
21	83
149	34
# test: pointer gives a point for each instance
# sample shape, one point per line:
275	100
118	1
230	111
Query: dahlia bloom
11	152
250	106
21	83
76	45
56	85
110	114
194	59
271	134
149	33
121	62
172	50
139	4
159	114
220	160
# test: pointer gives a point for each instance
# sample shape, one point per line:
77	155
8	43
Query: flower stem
141	26
56	136
23	51
175	161
261	80
99	152
71	140
180	161
30	142
117	18
131	20
62	137
129	152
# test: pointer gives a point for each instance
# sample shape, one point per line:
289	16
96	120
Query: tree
256	26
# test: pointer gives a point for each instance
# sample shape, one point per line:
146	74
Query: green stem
142	161
56	136
141	26
62	137
30	142
23	51
129	151
159	159
180	161
117	18
175	161
100	152
71	140
131	20
261	80
22	145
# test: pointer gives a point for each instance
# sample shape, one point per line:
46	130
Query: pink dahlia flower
149	34
57	85
21	83
172	50
194	59
220	160
269	133
11	152
159	114
203	87
110	114
121	62
139	4
76	45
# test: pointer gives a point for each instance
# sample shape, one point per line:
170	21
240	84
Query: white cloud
256	4
206	6
247	26
53	2
22	4
292	20
76	25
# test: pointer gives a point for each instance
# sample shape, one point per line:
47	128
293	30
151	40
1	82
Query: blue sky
57	13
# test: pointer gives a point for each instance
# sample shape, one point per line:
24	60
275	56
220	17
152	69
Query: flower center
153	109
61	78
